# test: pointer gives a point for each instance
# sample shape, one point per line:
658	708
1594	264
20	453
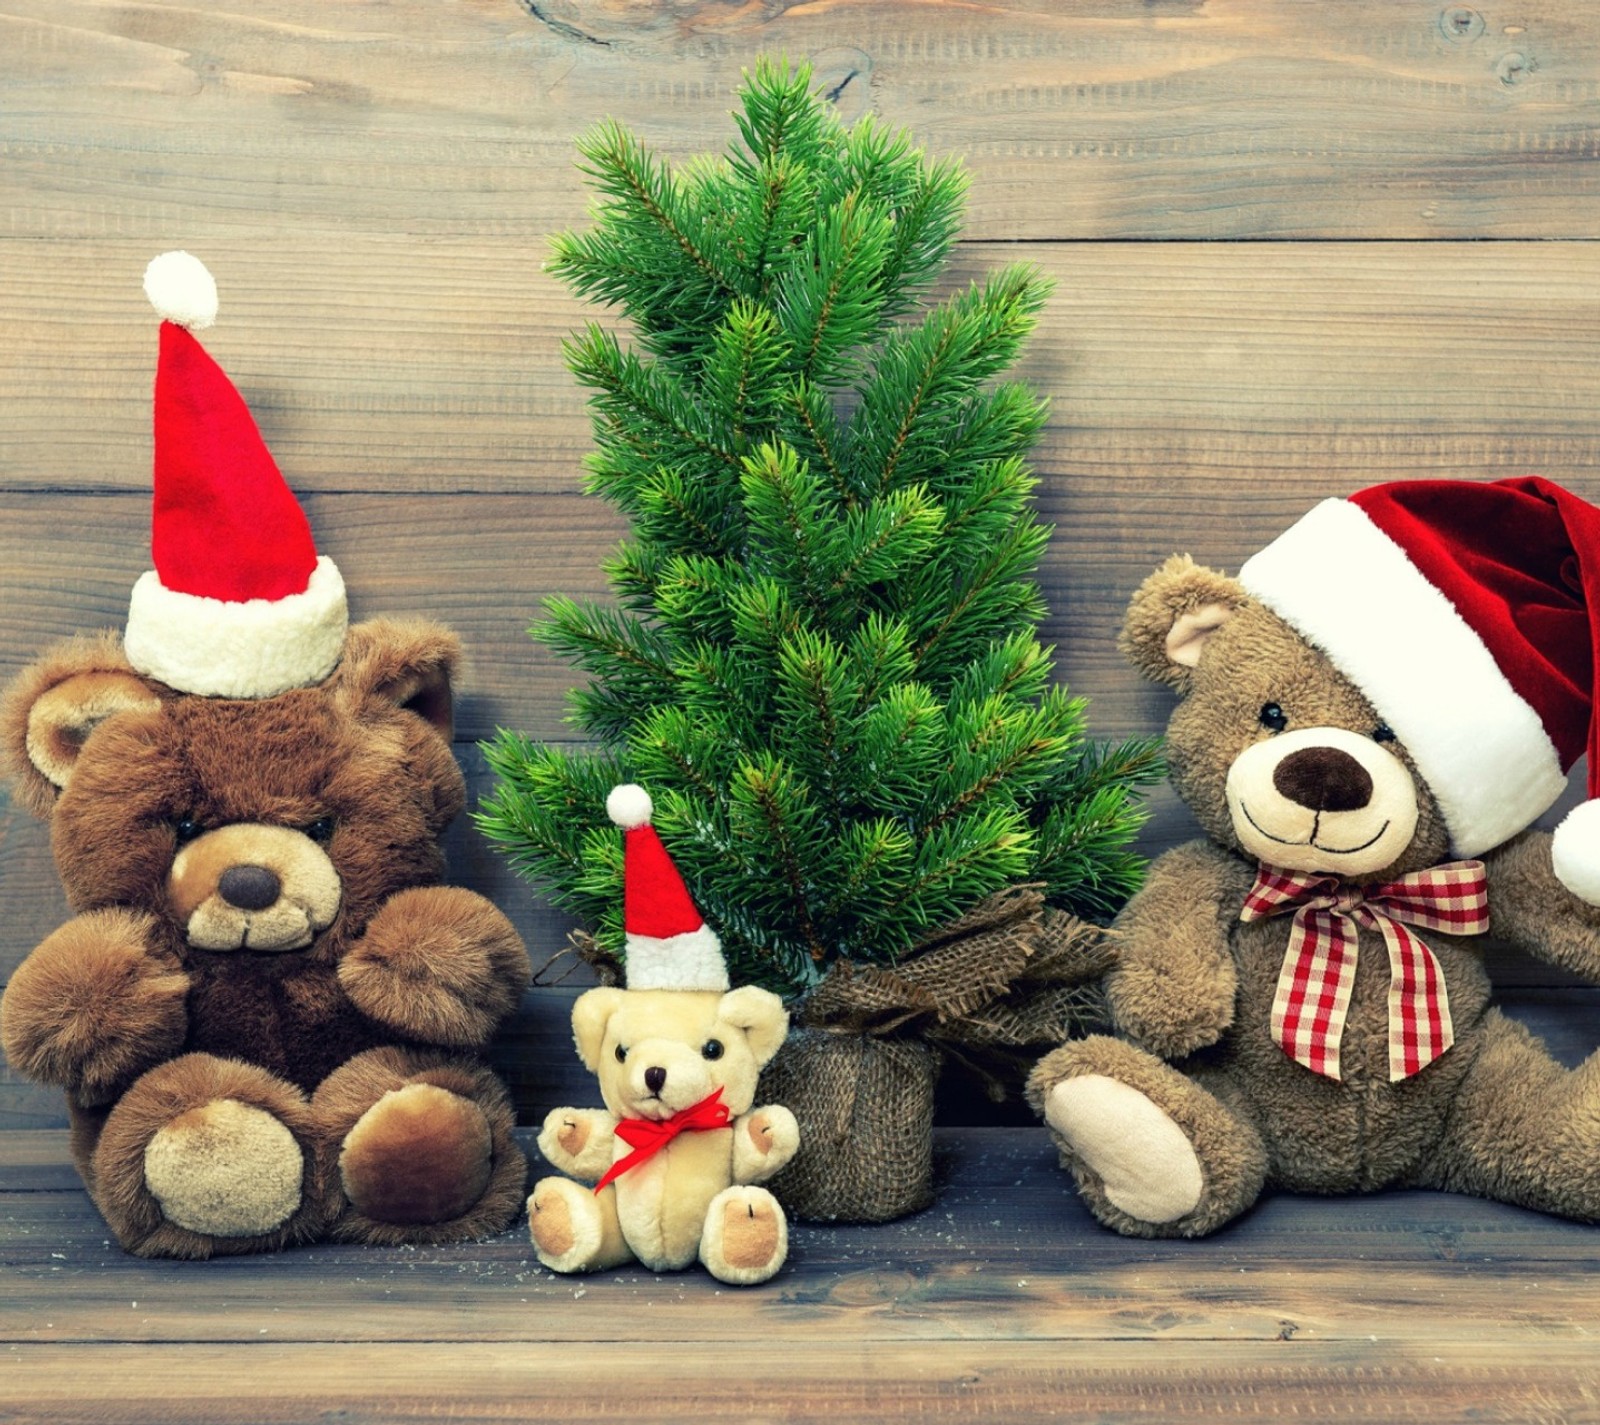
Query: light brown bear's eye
1273	718
711	1049
186	828
622	1053
1383	733
321	830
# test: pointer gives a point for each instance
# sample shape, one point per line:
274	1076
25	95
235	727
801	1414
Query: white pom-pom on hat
1575	851
181	290
629	805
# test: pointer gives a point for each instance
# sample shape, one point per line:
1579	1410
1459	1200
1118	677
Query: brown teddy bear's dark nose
249	887
655	1078
1324	779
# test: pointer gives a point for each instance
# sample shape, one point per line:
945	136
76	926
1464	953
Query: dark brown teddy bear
267	1013
1369	718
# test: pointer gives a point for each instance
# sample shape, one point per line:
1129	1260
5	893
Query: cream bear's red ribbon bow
648	1136
1319	967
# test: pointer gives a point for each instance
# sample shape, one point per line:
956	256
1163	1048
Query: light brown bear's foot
204	1156
423	1148
1153	1153
746	1236
574	1228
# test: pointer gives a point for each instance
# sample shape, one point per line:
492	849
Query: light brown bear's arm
439	964
763	1141
579	1142
1531	909
94	1005
1172	988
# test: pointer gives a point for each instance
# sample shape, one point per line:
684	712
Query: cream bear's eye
711	1049
622	1053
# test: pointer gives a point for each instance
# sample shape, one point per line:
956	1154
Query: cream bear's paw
746	1236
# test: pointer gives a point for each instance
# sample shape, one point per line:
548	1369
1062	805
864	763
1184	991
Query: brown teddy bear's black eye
711	1049
186	828
321	830
622	1053
1273	718
1383	733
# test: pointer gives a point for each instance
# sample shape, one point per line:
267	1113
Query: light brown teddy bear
677	1153
1370	718
266	1012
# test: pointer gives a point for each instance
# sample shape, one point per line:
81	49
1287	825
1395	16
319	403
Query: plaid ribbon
1319	967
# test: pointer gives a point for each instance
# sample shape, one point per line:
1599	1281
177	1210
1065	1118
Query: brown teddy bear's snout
253	887
1322	799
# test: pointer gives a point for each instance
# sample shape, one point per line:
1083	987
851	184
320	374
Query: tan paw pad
226	1169
420	1154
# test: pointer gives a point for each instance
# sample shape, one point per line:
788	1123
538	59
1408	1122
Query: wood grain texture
1005	1300
1086	118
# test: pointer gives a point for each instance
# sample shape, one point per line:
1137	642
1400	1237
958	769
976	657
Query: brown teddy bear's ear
408	662
761	1015
1175	611
54	704
591	1012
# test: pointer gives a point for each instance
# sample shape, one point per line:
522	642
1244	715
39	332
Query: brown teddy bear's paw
225	1169
1145	1163
419	1155
1154	1153
746	1237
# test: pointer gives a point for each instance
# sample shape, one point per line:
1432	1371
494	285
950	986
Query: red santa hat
239	604
1464	612
669	944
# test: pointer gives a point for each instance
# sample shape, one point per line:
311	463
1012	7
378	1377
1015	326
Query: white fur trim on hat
1349	589
690	961
181	290
253	649
1575	851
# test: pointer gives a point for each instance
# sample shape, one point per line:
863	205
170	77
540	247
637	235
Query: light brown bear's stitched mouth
1311	840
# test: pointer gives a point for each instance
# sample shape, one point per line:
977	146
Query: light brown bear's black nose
1324	779
249	887
655	1078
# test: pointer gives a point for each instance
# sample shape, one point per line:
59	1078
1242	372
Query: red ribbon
648	1136
1319	966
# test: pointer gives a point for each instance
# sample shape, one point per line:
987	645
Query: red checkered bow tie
1319	968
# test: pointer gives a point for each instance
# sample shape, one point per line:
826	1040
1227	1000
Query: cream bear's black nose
249	887
655	1078
1324	779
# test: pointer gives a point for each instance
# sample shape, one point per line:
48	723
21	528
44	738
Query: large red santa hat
239	604
1467	614
669	944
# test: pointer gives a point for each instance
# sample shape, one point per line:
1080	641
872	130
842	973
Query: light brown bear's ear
762	1017
591	1012
1175	611
408	662
54	704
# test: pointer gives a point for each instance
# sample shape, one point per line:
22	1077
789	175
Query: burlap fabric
1007	981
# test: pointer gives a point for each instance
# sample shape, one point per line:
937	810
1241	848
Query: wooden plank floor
1298	248
1005	1300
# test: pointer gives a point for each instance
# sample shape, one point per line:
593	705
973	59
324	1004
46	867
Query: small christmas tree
822	660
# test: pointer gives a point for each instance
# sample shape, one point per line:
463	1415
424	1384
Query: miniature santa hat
1467	614
239	604
669	945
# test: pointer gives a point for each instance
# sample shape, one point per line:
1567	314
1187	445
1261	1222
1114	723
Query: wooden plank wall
1298	248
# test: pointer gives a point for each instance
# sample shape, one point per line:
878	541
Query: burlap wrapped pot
1003	984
